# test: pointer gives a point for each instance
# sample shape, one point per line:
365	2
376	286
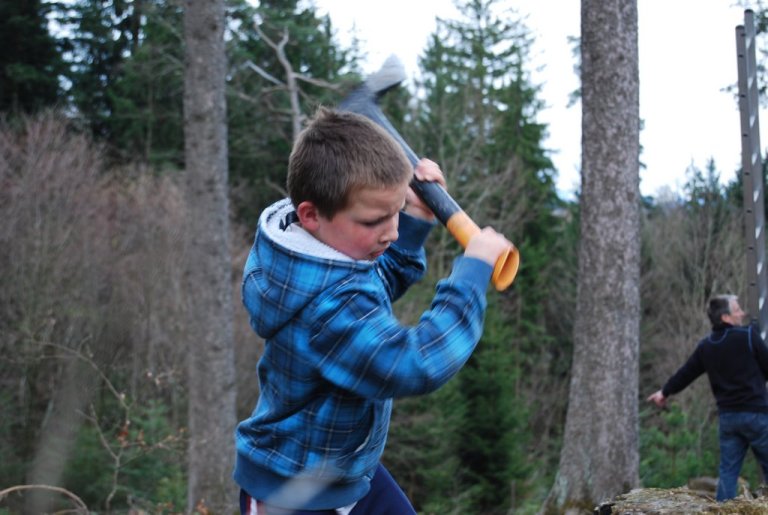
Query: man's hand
658	399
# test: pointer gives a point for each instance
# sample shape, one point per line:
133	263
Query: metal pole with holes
752	174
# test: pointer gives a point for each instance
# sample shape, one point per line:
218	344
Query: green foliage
102	36
478	120
30	58
677	449
421	448
489	145
12	462
136	463
493	434
146	121
422	441
89	472
126	69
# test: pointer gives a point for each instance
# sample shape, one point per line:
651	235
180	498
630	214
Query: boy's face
365	228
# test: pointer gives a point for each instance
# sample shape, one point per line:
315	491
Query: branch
79	355
116	457
272	44
81	507
261	71
290	77
276	187
318	82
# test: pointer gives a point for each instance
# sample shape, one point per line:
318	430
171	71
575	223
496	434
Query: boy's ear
308	215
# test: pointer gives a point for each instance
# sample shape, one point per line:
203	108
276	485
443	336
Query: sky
687	52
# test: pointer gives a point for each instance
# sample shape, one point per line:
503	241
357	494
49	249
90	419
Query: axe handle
462	228
364	102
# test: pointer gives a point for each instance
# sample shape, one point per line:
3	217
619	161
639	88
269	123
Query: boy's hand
427	171
487	245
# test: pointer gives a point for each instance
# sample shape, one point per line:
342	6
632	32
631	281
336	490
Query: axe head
364	100
388	77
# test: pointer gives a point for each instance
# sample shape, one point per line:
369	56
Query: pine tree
146	96
125	76
30	58
478	121
126	81
101	37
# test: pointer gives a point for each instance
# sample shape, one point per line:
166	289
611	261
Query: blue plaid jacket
335	356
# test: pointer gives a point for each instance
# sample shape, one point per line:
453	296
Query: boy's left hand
427	171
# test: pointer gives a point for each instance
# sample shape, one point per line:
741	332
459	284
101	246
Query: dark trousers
738	432
384	498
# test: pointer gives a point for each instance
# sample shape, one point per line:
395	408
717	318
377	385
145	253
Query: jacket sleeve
685	375
361	347
405	261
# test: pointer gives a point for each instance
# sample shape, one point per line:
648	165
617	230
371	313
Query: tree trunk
208	264
599	458
58	434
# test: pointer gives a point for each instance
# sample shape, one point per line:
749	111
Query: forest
126	357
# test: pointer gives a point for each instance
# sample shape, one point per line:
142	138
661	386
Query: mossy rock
653	501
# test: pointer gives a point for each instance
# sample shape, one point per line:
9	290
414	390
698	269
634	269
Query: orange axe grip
363	101
462	228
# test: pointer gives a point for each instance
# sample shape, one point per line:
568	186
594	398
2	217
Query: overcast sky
687	54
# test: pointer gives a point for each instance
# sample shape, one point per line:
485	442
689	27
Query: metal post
752	174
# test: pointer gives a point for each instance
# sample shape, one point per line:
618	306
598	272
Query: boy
318	285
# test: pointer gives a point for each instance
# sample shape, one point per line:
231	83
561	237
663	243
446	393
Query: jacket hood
287	268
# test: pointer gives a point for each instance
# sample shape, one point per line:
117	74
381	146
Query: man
736	362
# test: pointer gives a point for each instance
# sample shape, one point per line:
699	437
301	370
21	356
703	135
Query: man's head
725	308
347	179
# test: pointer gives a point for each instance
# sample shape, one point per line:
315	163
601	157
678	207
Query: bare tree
292	78
54	261
600	458
211	375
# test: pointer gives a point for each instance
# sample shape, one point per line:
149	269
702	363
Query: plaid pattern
335	355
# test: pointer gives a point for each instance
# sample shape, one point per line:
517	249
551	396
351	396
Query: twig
81	507
261	71
119	396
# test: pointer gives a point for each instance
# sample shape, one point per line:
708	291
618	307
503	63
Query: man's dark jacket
736	362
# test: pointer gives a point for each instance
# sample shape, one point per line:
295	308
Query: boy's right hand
487	245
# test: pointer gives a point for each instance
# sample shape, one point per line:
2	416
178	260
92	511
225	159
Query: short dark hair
719	305
339	152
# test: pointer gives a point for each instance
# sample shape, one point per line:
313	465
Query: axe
364	100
